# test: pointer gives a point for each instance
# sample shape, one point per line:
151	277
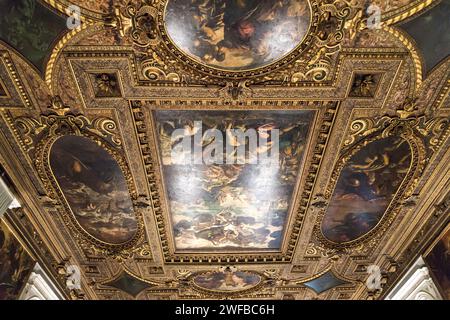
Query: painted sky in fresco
237	34
241	206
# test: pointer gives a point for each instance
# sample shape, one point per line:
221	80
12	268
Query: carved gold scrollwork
333	22
437	130
311	250
356	24
31	130
153	68
140	253
312	60
139	22
107	128
28	127
359	128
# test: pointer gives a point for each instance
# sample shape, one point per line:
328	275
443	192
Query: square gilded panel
325	282
438	261
230	176
106	85
365	85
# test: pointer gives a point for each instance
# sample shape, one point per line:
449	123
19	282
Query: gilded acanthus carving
154	69
329	35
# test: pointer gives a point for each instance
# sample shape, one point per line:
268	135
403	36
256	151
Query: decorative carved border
3	87
425	236
408	42
18	83
406	11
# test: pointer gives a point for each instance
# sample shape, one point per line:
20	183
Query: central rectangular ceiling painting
239	169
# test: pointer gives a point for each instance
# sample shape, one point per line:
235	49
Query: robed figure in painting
237	34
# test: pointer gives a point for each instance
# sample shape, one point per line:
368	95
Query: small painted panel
438	260
237	35
31	28
227	281
430	33
95	189
15	265
129	284
365	85
365	188
106	85
240	205
325	282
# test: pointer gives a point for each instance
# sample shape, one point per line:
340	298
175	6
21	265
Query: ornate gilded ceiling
90	117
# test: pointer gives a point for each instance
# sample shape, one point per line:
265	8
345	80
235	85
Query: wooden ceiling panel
362	177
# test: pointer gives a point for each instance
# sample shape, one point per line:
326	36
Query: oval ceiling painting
95	189
227	281
365	188
237	35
